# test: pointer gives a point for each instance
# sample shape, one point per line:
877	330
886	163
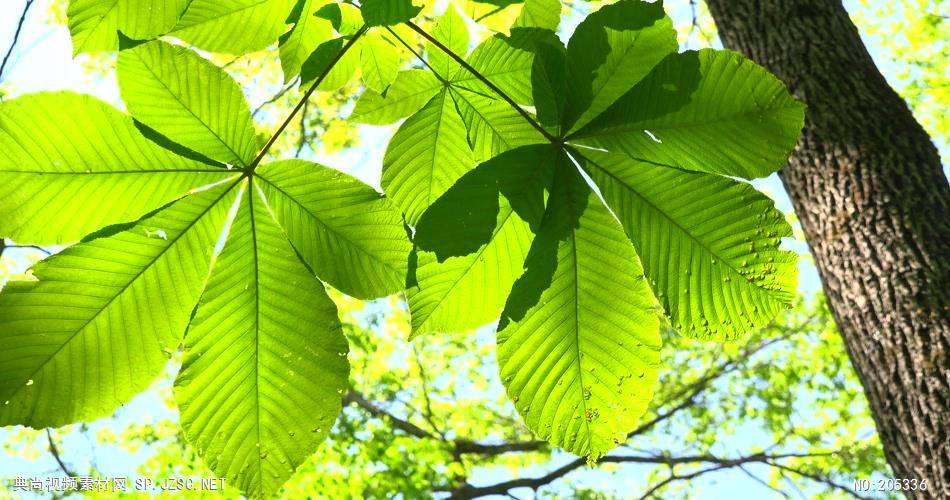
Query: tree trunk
874	203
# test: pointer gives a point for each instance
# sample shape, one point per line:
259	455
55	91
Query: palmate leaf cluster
589	195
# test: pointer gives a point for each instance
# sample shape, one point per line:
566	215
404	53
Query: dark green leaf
388	12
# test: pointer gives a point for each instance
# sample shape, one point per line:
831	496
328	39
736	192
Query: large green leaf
337	59
709	244
265	359
505	61
233	26
612	50
578	343
105	315
708	111
63	153
480	233
426	156
350	235
411	90
188	99
493	125
308	32
442	300
464	218
379	60
451	31
94	24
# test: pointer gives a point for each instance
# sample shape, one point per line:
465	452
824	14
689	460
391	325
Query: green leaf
493	125
351	236
94	24
442	301
451	31
709	244
346	19
540	14
612	50
411	90
426	156
473	240
188	99
379	60
388	12
341	71
233	26
105	315
578	343
707	111
549	84
464	218
70	164
265	359
308	32
506	62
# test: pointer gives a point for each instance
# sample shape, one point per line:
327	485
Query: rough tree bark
874	203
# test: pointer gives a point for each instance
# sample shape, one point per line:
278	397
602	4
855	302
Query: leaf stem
313	88
418	56
468	67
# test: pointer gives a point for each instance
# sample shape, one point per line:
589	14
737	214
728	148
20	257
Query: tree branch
31	247
428	414
16	36
468	491
459	446
55	452
489	450
817	478
280	93
302	143
410	428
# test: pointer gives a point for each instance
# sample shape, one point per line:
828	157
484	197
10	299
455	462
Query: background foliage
433	462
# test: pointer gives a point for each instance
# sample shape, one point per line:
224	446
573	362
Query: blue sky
43	61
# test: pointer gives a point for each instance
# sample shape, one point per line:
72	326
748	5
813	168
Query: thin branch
817	478
286	88
16	36
460	446
30	247
675	477
694	25
488	450
403	425
313	88
429	415
468	67
719	463
763	483
55	452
